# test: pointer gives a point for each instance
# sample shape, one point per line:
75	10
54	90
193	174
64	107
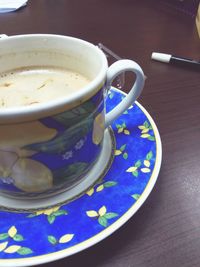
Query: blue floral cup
48	148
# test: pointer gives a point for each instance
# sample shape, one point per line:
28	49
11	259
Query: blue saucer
28	239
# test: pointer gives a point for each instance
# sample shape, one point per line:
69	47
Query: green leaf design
151	138
135	173
52	239
125	155
18	237
124	125
111	95
110	215
122	148
51	218
59	212
109	184
69	172
24	251
3	236
146	124
32	215
75	115
149	155
118	126
103	221
136	196
138	163
73	169
61	143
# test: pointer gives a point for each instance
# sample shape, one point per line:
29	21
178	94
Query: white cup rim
45	109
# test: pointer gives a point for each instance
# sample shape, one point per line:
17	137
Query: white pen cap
161	57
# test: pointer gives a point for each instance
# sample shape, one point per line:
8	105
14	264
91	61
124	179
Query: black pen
175	60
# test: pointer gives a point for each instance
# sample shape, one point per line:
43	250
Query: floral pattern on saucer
46	232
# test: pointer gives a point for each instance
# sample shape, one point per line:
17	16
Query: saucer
32	238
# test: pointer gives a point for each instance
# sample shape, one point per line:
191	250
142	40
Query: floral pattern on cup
48	155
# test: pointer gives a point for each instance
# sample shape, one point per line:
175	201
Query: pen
175	60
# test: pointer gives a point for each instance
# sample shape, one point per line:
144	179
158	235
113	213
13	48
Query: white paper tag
11	5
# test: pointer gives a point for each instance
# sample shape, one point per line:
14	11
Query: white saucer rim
31	261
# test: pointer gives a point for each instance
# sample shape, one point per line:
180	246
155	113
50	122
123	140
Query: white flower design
79	144
68	155
7	180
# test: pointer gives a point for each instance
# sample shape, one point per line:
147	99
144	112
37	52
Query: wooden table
166	229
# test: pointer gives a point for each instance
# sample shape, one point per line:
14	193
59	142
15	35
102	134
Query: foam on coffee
24	87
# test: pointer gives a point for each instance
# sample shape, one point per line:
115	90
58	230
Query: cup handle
113	71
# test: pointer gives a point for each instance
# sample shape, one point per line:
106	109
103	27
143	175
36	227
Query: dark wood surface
166	230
